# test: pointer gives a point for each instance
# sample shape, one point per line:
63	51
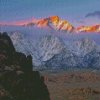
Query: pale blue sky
73	11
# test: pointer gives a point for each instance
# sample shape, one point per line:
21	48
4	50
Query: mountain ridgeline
17	80
55	23
54	53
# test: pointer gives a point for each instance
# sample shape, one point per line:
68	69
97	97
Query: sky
75	12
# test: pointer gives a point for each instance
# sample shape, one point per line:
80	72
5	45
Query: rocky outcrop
16	75
48	46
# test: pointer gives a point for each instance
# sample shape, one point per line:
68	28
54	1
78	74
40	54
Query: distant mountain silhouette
16	75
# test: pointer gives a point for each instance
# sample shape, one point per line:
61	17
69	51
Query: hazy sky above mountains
76	12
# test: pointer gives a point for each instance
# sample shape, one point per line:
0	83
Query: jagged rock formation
82	46
48	46
92	59
16	75
55	23
76	54
55	54
64	60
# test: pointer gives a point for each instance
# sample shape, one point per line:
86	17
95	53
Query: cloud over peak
96	13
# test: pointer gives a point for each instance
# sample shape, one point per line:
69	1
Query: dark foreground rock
17	80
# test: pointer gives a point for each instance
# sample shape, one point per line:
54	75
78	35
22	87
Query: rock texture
83	53
16	75
48	46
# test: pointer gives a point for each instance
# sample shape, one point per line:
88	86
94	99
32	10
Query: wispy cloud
20	22
81	22
96	13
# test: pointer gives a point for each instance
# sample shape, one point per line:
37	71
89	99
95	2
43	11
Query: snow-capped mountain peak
55	23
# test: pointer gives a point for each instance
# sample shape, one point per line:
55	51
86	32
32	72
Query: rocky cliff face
54	23
92	59
48	46
81	54
64	60
82	46
17	79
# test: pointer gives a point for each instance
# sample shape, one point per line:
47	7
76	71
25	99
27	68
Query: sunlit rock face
54	23
58	25
95	28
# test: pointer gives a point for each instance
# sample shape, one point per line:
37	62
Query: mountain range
53	53
55	23
48	47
